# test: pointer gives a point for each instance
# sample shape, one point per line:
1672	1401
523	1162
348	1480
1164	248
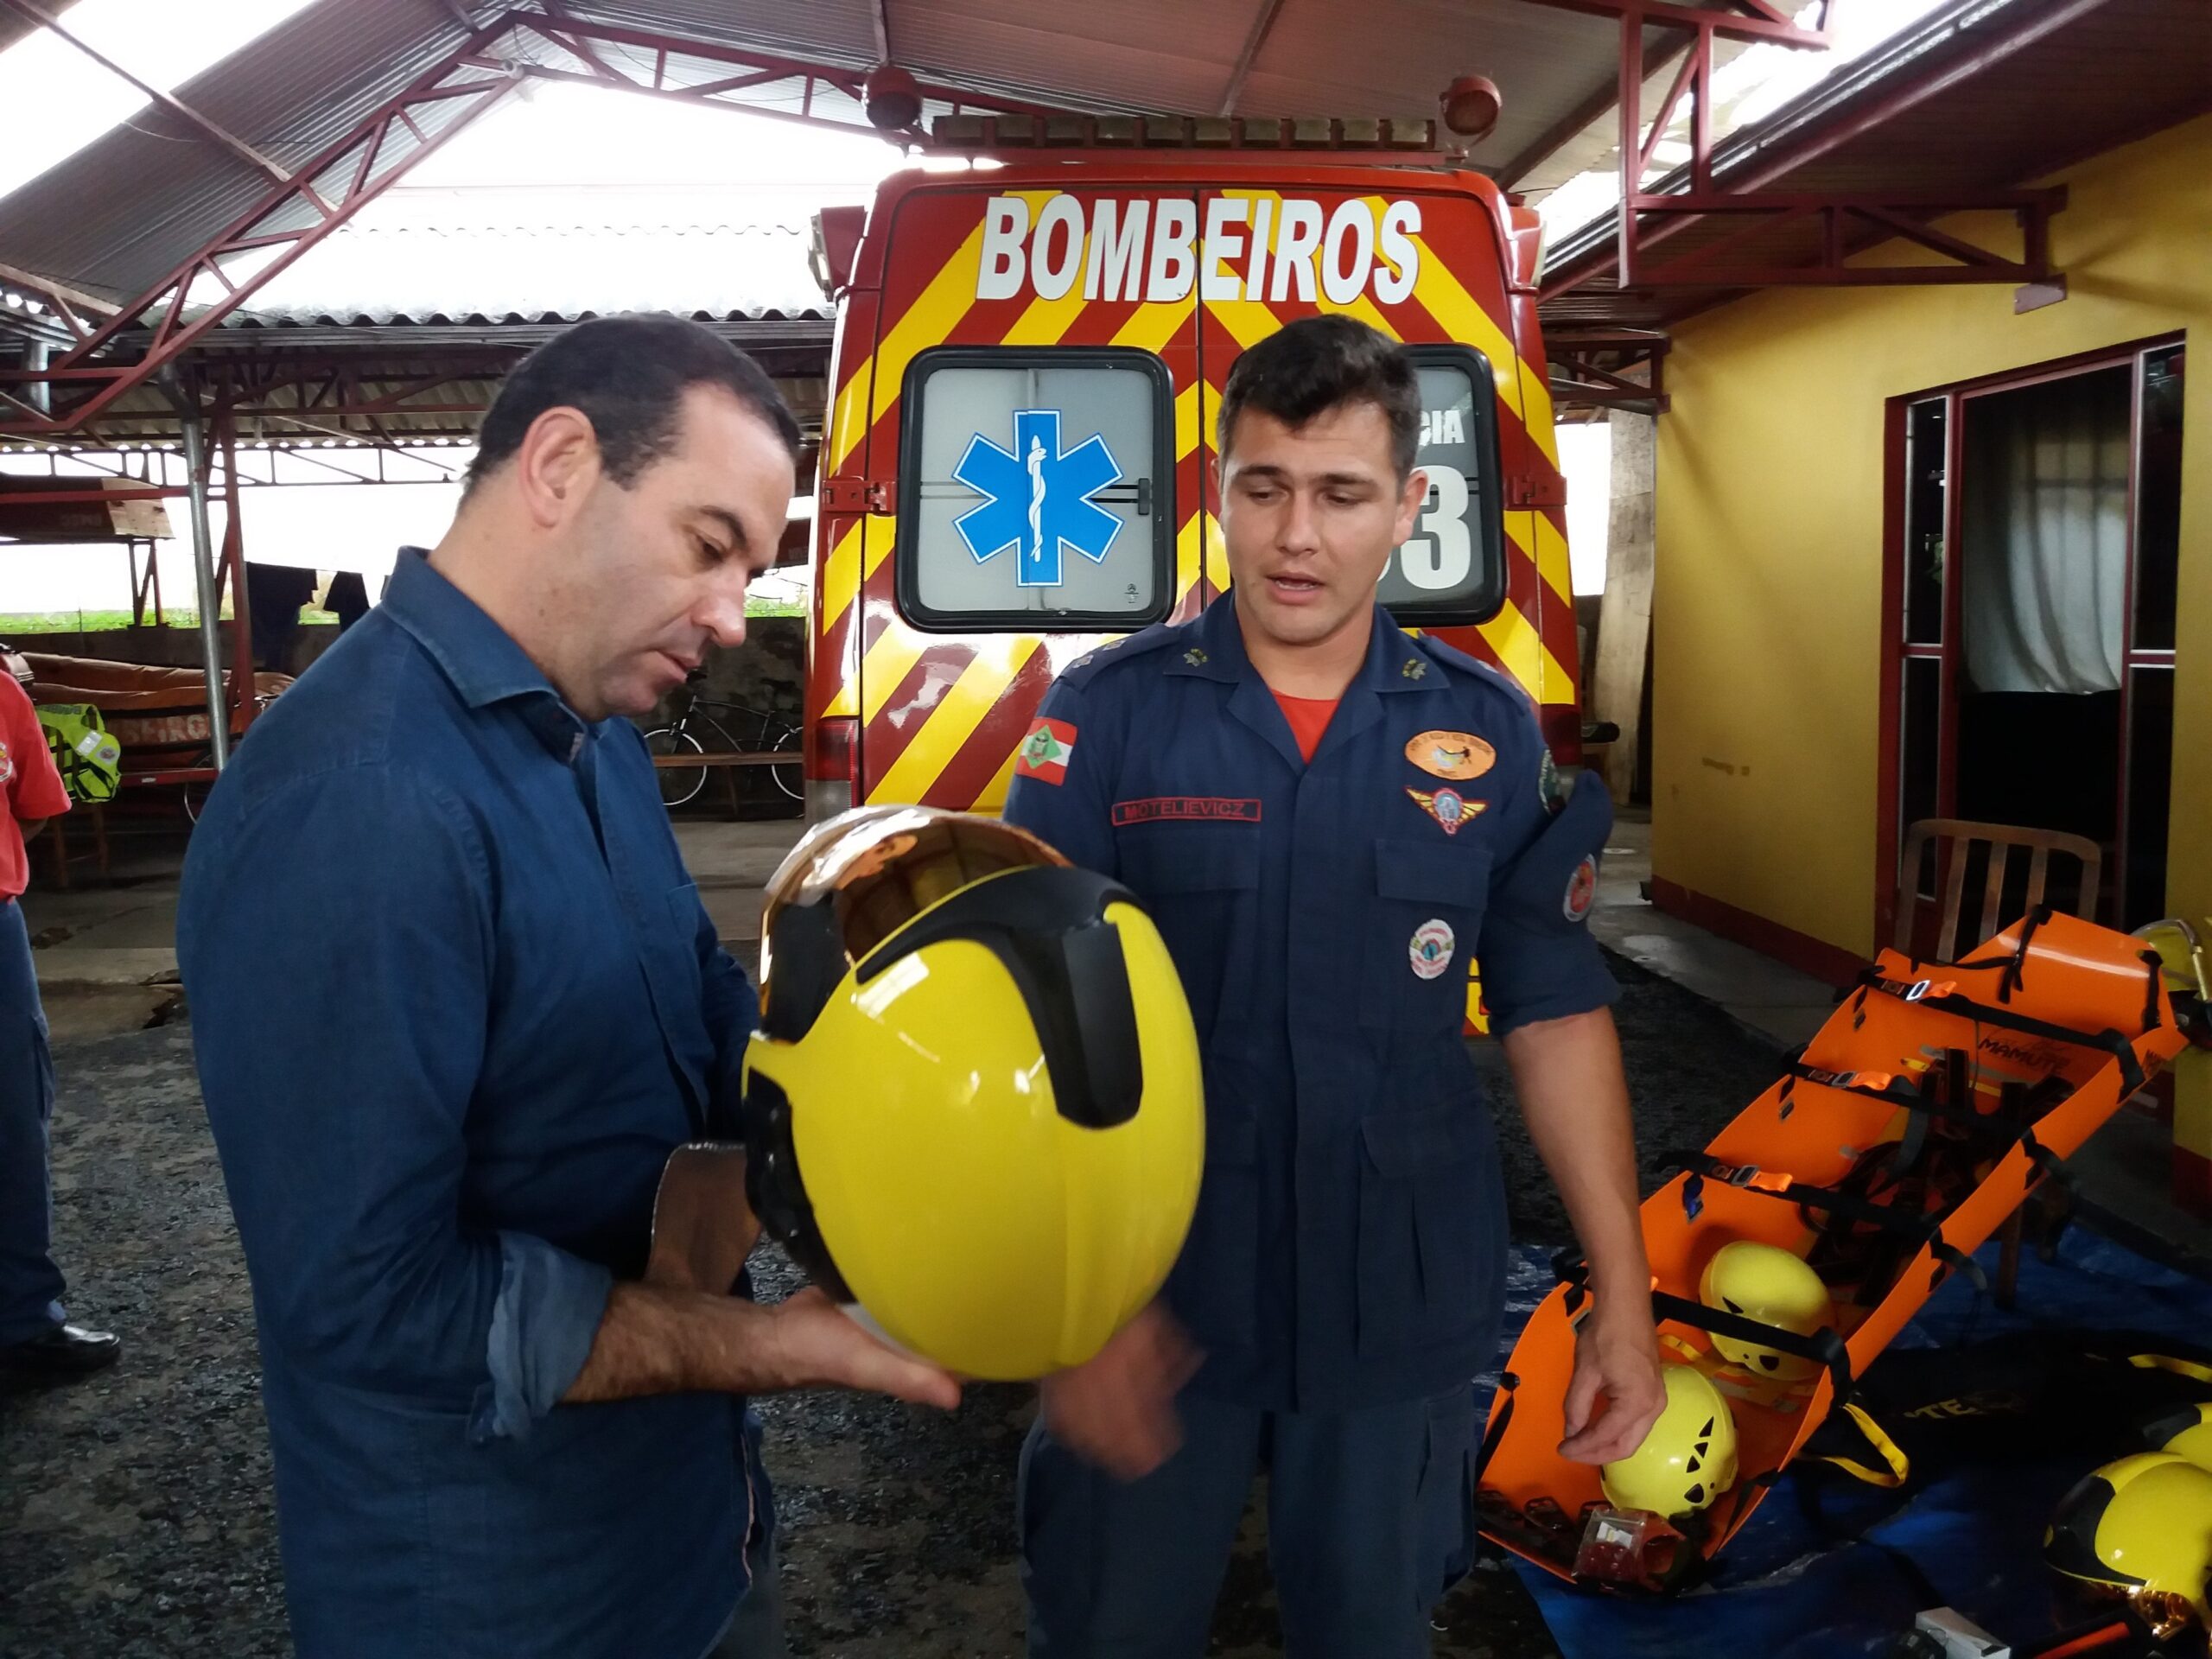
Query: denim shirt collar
477	655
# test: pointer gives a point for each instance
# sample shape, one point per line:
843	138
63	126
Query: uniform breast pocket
1198	881
1421	933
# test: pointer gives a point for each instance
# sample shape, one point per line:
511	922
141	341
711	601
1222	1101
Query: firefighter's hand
1117	1409
1616	1360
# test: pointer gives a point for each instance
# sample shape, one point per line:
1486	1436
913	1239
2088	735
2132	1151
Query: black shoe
62	1353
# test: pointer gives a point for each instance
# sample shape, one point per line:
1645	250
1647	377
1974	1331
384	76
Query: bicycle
741	729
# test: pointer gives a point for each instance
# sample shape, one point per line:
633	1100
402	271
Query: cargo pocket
1198	881
1429	896
1431	1220
1446	1499
1214	1289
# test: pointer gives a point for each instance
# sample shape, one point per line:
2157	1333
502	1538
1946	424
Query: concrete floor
1774	1001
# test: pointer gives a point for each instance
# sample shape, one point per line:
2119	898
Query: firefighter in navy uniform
1327	818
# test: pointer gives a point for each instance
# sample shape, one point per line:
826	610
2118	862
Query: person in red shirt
35	1338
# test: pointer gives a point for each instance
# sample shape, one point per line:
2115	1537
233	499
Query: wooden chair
1956	841
57	838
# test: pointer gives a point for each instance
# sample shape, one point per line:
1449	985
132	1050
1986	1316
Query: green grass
62	621
774	607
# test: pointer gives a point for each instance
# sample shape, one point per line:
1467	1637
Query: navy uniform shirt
1350	1244
455	1000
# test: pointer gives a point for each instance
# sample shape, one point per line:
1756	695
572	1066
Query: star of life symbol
1039	501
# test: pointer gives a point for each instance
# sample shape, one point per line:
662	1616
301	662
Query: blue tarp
1785	1589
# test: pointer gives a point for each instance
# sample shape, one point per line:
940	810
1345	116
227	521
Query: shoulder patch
1128	649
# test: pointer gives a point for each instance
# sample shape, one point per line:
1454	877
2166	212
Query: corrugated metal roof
536	272
146	417
1129	57
1400	57
123	212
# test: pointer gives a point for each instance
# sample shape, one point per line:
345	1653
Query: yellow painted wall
1766	612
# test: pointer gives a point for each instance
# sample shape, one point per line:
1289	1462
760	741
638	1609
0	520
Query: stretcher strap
1897	1467
2013	1120
2154	981
1919	1229
1823	1348
1944	997
2178	1367
2015	975
1508	1383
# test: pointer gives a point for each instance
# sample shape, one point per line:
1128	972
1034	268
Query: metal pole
36	358
203	564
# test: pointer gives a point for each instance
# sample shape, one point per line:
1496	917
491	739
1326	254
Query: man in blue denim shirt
455	1003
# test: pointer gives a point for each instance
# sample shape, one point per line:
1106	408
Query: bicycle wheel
678	784
781	737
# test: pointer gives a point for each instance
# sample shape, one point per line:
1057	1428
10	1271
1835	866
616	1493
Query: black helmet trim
775	1190
2159	1430
1046	925
2071	1546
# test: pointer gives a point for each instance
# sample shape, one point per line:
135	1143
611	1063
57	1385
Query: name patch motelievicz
1185	809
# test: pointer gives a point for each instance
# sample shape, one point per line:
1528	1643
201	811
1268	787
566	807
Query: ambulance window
1035	489
1451	569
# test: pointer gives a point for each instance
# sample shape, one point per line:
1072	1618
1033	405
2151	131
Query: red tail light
833	751
1561	723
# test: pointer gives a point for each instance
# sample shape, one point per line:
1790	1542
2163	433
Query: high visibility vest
88	758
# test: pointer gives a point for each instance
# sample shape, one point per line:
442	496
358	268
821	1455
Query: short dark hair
628	375
1317	363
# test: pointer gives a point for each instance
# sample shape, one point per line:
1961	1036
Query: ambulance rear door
1033	394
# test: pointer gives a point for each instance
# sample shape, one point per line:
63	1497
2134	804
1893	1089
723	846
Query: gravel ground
135	1511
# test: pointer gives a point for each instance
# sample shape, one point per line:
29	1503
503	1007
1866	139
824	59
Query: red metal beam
1766	25
1263	23
173	335
229	140
1935	74
376	162
86	497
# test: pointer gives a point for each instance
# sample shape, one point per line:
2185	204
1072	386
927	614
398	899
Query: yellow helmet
1773	1286
974	1107
2186	1431
1686	1460
2141	1527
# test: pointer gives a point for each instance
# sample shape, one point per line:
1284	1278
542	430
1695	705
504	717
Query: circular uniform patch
1581	889
1456	755
1431	950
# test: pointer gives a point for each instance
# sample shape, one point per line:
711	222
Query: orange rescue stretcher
1908	1131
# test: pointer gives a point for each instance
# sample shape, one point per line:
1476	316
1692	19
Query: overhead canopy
123	212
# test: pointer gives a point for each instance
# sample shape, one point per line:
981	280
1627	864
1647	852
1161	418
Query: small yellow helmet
1686	1460
2186	1431
1773	1286
2139	1527
974	1107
